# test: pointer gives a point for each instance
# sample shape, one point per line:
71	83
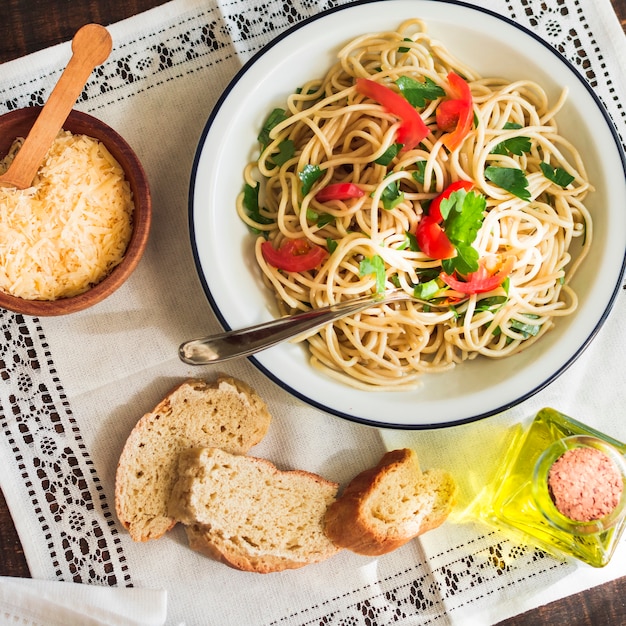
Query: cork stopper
585	484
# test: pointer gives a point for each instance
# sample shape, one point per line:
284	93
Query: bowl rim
260	363
117	145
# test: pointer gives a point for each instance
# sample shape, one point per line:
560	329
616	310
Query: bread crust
227	414
352	521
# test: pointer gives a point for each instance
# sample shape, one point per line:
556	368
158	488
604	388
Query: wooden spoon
91	46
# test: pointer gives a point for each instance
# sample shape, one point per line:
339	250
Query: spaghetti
338	179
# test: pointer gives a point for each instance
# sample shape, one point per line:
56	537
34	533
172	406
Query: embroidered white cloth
72	388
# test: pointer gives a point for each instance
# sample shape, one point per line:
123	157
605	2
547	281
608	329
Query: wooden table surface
30	25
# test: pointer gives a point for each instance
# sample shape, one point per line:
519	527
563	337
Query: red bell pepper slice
432	240
434	210
294	255
456	115
412	129
339	191
481	280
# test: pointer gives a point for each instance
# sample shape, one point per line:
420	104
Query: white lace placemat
72	388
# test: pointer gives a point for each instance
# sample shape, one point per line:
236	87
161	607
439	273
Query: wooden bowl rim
137	178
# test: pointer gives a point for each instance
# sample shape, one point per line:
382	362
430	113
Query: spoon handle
236	343
91	46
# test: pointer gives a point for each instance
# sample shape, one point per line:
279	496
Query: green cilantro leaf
308	175
510	179
273	119
389	154
556	174
417	92
376	266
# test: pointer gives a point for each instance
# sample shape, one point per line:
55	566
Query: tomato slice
294	255
412	129
339	191
434	210
456	115
481	280
432	240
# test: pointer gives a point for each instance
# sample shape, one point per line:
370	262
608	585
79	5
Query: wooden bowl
17	124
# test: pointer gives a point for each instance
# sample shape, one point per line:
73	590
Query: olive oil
518	498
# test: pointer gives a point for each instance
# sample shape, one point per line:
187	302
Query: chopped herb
395	281
426	291
510	179
417	93
320	219
493	302
556	174
273	119
404	48
391	195
286	150
418	174
308	176
513	145
389	154
375	266
251	204
331	244
463	215
409	242
524	328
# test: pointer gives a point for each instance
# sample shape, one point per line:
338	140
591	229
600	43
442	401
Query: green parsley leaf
526	329
391	195
463	215
492	303
251	204
513	145
510	179
376	266
417	93
404	48
286	150
418	173
389	154
331	244
410	242
308	175
556	174
324	219
273	119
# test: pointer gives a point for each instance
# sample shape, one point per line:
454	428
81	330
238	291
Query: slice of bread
388	505
247	513
227	414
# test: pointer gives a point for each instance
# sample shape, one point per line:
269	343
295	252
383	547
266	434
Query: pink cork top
585	484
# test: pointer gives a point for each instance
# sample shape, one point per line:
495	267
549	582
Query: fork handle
246	341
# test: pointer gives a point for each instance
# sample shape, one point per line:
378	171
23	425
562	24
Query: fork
247	341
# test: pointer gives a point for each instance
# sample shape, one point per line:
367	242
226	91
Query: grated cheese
67	231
